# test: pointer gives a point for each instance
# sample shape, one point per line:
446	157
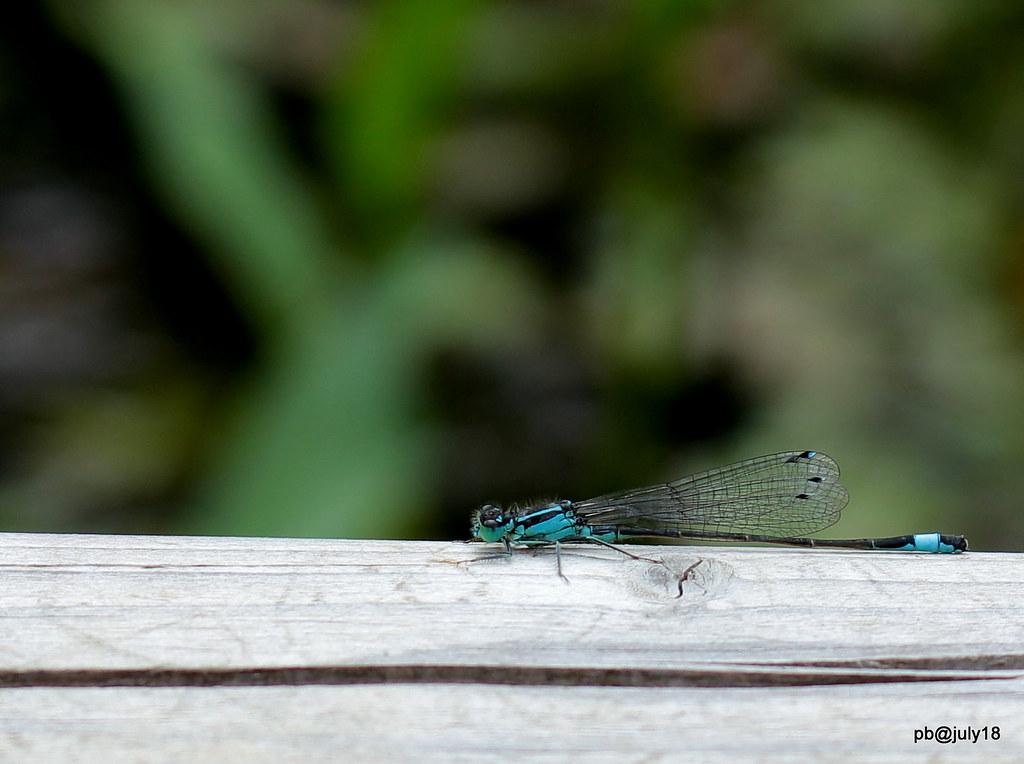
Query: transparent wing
794	493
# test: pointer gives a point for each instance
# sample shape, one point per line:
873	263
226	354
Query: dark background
315	268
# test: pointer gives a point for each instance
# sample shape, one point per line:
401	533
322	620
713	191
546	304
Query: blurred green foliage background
339	268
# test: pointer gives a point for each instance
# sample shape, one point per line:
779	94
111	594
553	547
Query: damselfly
777	499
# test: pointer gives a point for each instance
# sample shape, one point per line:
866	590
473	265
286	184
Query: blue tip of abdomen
930	542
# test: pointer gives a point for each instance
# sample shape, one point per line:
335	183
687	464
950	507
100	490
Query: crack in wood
752	675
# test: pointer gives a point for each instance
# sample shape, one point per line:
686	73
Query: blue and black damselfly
776	499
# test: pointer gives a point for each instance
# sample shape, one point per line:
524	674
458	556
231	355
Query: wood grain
163	648
122	602
472	723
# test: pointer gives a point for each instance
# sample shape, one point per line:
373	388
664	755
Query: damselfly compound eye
491	516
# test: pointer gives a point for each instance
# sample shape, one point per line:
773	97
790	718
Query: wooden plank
169	649
107	603
473	723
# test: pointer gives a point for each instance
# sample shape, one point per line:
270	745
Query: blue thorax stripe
551	523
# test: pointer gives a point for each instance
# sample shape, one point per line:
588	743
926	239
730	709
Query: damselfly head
491	516
490	522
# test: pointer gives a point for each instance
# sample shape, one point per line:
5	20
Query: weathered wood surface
161	648
473	723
